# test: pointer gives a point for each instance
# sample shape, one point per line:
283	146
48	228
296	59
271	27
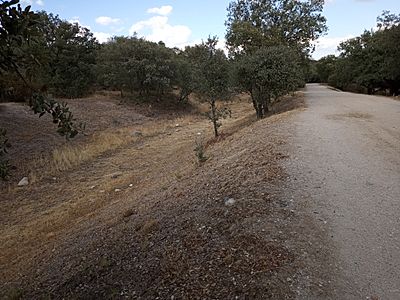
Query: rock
177	125
23	182
136	133
131	185
230	201
115	175
117	190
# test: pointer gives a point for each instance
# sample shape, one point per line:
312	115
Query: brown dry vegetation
126	211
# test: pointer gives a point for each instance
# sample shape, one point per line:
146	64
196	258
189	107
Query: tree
268	74
136	65
253	24
257	29
387	42
325	67
59	56
370	62
186	77
16	28
68	68
213	78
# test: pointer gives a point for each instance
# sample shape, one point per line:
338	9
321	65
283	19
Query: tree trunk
260	111
214	117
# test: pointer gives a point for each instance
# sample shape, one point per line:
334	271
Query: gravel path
345	166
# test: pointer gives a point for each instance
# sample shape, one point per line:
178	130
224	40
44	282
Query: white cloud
328	45
222	45
163	10
102	37
158	29
77	20
107	20
30	2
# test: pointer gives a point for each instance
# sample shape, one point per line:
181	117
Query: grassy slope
167	232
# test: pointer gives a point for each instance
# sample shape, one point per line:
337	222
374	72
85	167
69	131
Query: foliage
200	149
263	23
19	28
215	114
268	74
213	82
4	164
16	26
311	74
4	144
60	112
186	76
48	54
136	65
270	41
325	67
67	56
370	62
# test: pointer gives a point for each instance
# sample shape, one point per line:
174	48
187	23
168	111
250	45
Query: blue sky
182	22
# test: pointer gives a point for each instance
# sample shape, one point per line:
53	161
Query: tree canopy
267	74
368	63
262	23
213	77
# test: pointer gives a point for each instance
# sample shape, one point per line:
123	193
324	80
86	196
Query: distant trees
186	77
57	56
136	65
325	67
369	63
67	56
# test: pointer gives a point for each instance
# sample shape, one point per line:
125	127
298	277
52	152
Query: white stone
23	182
230	202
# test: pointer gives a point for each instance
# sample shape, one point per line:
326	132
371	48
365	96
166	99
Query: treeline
369	63
266	56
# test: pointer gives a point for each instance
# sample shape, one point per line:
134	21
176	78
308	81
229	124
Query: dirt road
345	166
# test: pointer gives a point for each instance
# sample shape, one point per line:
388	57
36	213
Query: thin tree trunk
214	117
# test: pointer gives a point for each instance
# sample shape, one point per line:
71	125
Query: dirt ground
139	217
345	167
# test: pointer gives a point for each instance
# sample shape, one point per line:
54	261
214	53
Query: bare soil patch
351	115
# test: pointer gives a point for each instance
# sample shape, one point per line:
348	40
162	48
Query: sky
182	22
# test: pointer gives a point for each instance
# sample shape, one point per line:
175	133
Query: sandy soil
345	175
145	220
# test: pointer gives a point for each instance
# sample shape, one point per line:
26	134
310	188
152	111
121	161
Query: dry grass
68	156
